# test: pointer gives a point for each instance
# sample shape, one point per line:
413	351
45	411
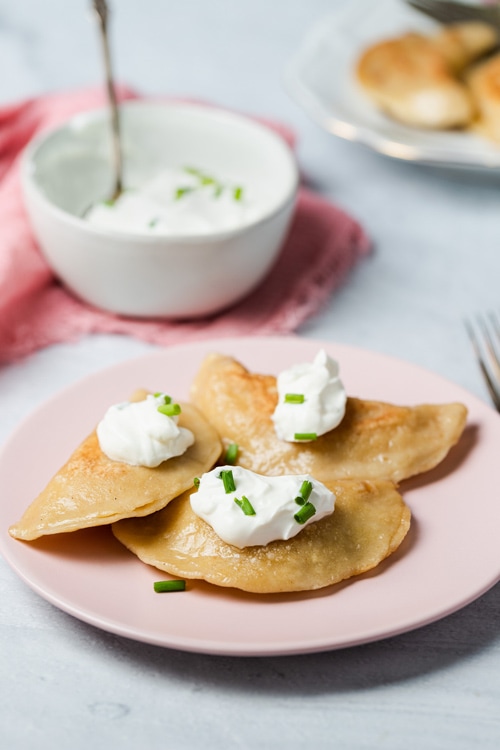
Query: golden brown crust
369	523
463	43
374	440
92	490
411	80
484	84
391	63
416	78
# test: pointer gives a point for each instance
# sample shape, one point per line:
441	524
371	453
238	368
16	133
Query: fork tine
495	325
486	353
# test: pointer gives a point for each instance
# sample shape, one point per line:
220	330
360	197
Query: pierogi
375	440
92	490
375	446
483	81
417	80
368	524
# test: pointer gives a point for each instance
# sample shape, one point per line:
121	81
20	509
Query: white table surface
436	259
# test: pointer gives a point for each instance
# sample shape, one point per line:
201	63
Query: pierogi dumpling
374	439
92	490
368	524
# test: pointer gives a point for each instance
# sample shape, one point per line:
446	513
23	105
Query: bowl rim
29	182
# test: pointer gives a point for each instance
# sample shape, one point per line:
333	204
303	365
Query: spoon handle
102	11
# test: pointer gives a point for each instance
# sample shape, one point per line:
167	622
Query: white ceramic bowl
147	275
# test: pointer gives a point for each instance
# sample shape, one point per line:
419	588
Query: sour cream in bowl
209	196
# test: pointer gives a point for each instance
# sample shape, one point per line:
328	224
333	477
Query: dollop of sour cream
259	509
177	202
136	433
311	400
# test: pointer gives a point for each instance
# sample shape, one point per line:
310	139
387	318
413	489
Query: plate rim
245	648
370	137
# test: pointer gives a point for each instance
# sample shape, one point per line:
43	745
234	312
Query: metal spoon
102	12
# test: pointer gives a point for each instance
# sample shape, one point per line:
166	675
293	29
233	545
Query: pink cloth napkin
36	311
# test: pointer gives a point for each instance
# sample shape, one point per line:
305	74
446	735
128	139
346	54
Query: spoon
102	11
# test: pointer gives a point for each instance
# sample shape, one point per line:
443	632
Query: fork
450	11
484	335
101	10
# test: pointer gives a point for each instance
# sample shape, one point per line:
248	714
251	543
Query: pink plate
450	557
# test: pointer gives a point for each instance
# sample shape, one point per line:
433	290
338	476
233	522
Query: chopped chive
206	180
306	489
161	586
304	492
203	178
153	222
192	170
231	453
245	505
228	480
109	202
166	399
196	482
304	513
182	191
305	436
294	398
170	410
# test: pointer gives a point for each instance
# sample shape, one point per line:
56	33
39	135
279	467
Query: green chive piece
300	500
228	480
196	482
207	181
153	222
245	505
109	202
177	585
306	512
202	177
294	398
231	453
170	410
305	436
306	489
182	191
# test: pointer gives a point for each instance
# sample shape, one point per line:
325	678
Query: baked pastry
375	440
368	524
414	78
92	490
484	84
